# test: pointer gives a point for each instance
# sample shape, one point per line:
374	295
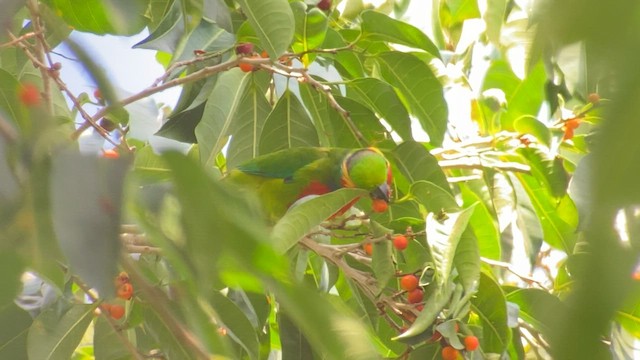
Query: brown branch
41	53
477	163
509	267
22	38
200	74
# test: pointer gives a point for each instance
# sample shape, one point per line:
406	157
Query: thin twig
41	53
22	38
509	267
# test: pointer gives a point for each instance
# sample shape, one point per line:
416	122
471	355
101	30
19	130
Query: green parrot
281	178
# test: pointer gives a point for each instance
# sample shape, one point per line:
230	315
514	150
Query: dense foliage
511	130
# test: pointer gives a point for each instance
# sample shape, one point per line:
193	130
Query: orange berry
116	311
415	296
593	98
368	248
125	291
246	67
409	282
379	205
449	353
471	343
110	154
29	95
264	54
400	242
420	307
98	94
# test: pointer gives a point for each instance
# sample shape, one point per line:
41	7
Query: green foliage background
215	281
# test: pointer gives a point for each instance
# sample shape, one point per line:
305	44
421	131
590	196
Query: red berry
125	291
409	282
379	205
324	5
116	311
368	248
56	66
449	353
110	154
471	343
29	94
400	242
97	94
244	49
415	296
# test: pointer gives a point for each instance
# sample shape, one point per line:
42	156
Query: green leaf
13	339
287	126
531	125
164	336
294	344
103	17
107	344
181	126
364	120
273	22
86	205
53	336
467	259
9	103
167	35
253	110
443	235
537	307
207	36
416	163
235	321
348	63
381	97
550	172
433	197
558	217
311	28
328	325
524	97
491	307
381	259
494	17
303	217
149	167
219	112
318	106
432	308
422	91
377	26
11	267
629	314
483	224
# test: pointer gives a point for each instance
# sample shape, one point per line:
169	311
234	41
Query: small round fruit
449	353
245	67
56	66
244	49
400	242
125	291
415	296
409	282
264	54
368	248
110	154
324	5
471	343
98	94
116	311
107	124
379	205
593	98
29	95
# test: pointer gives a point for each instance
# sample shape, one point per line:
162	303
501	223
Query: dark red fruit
244	49
324	5
415	296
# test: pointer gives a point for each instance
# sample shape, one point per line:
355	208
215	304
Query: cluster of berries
124	291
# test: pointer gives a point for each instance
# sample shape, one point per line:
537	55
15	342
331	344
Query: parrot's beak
381	192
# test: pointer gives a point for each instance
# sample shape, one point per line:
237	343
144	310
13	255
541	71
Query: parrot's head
368	169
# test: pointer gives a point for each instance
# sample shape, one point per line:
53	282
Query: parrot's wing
283	164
